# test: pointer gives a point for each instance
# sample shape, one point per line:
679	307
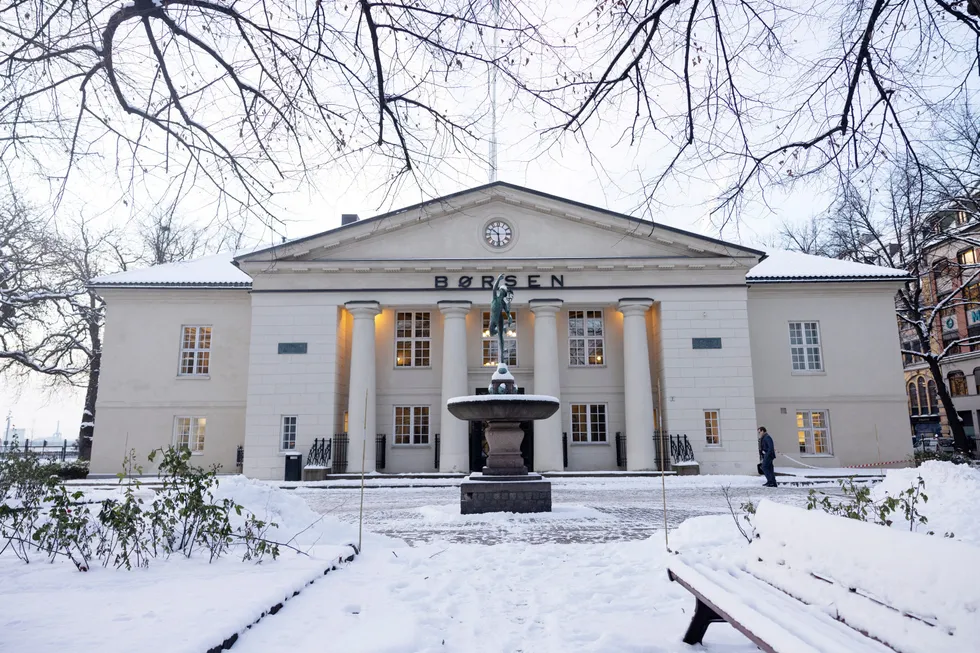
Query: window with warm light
586	339
413	333
588	423
195	351
813	431
491	344
411	425
189	433
712	429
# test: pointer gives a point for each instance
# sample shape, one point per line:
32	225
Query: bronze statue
500	307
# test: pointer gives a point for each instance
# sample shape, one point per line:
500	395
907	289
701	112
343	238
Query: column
547	432
361	406
640	449
454	455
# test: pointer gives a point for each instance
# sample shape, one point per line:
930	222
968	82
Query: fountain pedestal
504	485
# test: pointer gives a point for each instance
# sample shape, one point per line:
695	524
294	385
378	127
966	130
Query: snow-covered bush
857	503
40	517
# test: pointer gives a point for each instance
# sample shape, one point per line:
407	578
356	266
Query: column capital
454	307
363	308
630	306
545	306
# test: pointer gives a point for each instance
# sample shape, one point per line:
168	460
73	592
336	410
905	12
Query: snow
189	603
488	397
211	271
781	265
946	485
910	572
502	374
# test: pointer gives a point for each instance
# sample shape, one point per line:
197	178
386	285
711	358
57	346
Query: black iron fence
437	446
240	458
380	450
63	450
671	448
340	453
319	456
620	450
564	449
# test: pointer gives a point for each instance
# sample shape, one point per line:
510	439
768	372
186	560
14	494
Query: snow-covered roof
216	271
782	266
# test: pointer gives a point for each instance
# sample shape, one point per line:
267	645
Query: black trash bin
294	467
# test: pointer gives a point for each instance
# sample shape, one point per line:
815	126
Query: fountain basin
503	408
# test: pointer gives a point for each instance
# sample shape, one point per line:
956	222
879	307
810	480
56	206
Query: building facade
368	329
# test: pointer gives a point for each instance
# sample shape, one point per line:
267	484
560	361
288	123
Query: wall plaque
706	343
292	347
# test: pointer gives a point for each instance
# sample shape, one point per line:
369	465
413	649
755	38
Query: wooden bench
814	583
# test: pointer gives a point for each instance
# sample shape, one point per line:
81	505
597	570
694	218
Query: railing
340	453
672	448
380	450
680	449
63	451
564	449
319	456
620	450
240	458
438	448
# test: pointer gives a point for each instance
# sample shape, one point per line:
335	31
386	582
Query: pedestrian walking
767	453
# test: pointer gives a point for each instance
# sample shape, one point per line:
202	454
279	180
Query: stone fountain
505	484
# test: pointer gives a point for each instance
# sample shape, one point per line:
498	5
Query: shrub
38	515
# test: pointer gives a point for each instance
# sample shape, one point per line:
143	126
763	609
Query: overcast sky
609	173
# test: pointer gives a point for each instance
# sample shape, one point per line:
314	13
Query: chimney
347	218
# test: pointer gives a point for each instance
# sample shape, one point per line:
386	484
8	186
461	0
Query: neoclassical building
366	330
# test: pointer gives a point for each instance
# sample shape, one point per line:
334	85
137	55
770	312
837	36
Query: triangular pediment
540	226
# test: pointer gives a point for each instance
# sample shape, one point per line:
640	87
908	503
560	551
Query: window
909	346
913	399
585	338
957	383
189	433
976	378
288	432
195	351
588	422
712	433
412	339
490	343
804	341
411	425
966	257
814	432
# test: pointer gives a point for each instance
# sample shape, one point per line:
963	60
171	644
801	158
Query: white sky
562	167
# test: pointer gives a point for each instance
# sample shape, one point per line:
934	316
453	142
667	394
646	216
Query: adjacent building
358	336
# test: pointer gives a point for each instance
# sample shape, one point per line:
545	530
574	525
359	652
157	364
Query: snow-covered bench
812	582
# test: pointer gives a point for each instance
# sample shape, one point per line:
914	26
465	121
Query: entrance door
478	443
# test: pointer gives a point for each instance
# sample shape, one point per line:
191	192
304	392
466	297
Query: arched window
933	398
957	383
976	378
913	399
923	397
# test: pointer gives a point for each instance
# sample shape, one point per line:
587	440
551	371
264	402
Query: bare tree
760	93
242	96
31	291
166	238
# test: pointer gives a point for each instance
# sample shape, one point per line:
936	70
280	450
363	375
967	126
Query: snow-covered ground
177	605
590	576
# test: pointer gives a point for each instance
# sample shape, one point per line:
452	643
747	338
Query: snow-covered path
590	576
513	597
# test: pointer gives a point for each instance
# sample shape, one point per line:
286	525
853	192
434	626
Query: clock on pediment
498	234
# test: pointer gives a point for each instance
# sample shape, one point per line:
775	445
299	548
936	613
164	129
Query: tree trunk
87	429
955	423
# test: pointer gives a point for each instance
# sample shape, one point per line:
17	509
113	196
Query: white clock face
498	234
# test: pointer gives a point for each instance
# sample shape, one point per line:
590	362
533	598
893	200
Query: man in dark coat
767	452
